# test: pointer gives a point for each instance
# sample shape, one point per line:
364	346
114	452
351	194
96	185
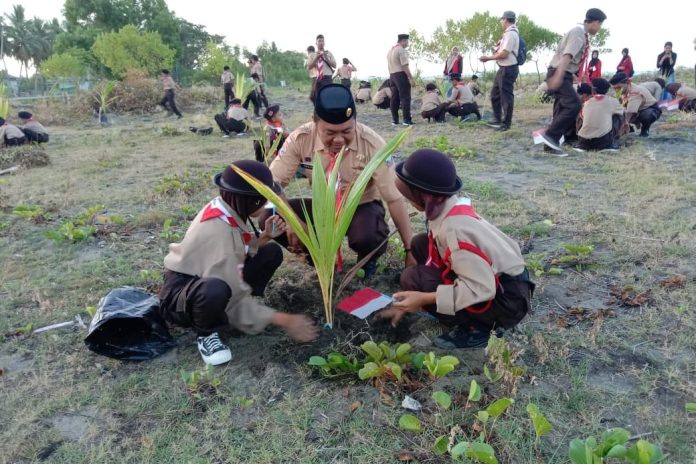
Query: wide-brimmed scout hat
430	171
229	181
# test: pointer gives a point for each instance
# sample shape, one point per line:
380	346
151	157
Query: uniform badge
349	112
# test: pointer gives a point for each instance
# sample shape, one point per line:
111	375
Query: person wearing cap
334	127
345	73
364	93
569	60
626	64
11	135
474	86
227	80
401	80
505	56
685	95
320	64
382	98
655	87
222	261
169	85
461	101
468	274
274	128
234	120
33	130
432	106
640	106
602	119
454	63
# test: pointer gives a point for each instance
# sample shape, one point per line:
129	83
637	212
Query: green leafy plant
335	365
266	150
328	225
577	255
442	399
4	102
32	212
690	407
87	216
441	143
188	211
439	367
384	360
104	99
168	233
71	232
541	425
475	451
410	423
613	444
187	183
242	87
535	263
201	384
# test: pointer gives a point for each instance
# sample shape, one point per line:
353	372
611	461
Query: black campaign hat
619	78
334	104
229	181
430	171
24	115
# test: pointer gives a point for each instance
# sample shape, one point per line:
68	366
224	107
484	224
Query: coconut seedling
241	87
329	222
104	100
4	102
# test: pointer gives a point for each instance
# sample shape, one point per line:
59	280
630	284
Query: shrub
137	92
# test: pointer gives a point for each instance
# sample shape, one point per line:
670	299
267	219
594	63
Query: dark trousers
502	95
229	94
511	303
438	114
345	83
608	140
464	110
261	95
15	141
317	84
646	118
168	99
566	106
199	303
254	99
229	125
401	96
367	230
33	136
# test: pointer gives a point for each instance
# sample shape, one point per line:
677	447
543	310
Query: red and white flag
364	302
669	105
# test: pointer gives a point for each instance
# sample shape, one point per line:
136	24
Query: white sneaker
550	143
213	351
226	136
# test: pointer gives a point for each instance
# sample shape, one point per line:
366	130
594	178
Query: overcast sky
365	30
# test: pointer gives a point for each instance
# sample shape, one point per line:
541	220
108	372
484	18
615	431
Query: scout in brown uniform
335	128
221	261
469	275
401	80
641	106
364	92
570	59
474	85
655	87
11	135
461	101
432	107
685	95
345	73
602	119
274	128
234	119
382	98
169	85
505	56
322	62
227	80
33	129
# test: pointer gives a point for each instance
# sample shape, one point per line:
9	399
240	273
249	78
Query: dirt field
610	342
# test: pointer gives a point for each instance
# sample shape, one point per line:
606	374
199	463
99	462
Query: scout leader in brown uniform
321	65
641	106
335	127
221	261
469	275
570	59
400	80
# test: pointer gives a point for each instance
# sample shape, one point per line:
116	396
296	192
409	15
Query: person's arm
398	213
328	56
660	59
312	59
298	326
599	68
555	81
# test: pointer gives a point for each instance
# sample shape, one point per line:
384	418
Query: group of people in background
29	131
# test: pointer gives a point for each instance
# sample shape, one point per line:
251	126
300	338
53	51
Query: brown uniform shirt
215	249
654	89
363	94
687	93
431	100
461	94
473	85
328	58
475	281
227	78
381	95
237	112
511	43
597	113
345	71
397	58
35	126
573	44
304	142
639	98
258	69
168	83
10	131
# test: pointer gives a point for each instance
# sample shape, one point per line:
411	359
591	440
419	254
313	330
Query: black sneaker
503	128
494	124
408	123
549	142
462	338
370	268
212	350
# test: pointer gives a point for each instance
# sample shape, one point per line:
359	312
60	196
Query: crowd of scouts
28	131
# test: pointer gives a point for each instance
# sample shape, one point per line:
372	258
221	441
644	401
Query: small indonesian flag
537	136
669	105
364	302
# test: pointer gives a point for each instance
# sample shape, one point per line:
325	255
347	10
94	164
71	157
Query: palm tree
20	42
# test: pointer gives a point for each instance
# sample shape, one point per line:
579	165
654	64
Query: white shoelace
212	343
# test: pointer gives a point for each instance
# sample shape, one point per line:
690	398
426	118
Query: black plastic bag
127	326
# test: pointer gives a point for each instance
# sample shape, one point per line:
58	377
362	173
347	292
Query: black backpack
522	51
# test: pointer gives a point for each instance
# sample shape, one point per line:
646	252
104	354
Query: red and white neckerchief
582	71
320	66
217	209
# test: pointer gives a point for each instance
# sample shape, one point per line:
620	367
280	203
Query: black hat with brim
24	115
334	104
430	171
229	181
271	111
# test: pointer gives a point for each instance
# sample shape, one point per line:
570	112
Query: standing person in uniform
256	72
169	85
665	63
685	95
334	127
227	80
221	262
323	63
468	274
401	81
11	135
594	68
655	87
602	119
345	73
505	56
454	63
570	59
461	101
33	129
626	64
641	107
432	106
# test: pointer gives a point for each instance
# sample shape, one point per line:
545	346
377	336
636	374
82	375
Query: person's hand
484	58
412	81
294	243
555	81
409	260
392	313
273	227
300	328
409	301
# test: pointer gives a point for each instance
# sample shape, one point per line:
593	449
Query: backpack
521	51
